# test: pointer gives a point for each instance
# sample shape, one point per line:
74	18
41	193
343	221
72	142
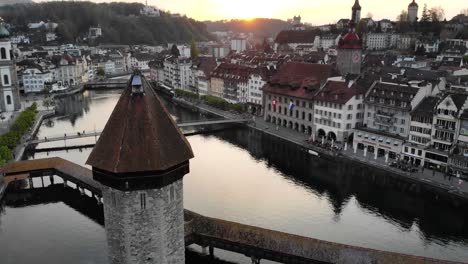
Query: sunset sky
313	11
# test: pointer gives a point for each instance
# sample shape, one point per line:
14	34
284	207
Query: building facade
288	94
9	90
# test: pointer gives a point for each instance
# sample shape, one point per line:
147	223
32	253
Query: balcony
445	128
443	139
384	114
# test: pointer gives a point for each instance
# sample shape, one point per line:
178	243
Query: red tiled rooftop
296	36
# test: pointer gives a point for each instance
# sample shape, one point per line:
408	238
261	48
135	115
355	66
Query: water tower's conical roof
140	136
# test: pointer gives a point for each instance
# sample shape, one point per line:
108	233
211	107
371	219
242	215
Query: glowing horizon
315	12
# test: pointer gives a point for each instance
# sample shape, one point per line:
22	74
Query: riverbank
451	186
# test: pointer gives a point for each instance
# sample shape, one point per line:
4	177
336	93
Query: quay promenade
451	185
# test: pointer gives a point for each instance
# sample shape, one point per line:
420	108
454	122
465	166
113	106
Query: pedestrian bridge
254	242
180	125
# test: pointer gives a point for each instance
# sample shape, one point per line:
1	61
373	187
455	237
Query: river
245	176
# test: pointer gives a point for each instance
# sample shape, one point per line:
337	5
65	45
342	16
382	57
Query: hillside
262	27
12	2
121	23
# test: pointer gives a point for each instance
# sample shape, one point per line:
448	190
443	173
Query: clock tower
349	57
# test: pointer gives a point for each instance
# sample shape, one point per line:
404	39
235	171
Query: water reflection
246	176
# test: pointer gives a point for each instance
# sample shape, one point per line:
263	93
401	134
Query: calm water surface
239	175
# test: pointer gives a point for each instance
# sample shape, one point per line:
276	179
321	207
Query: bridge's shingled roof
140	136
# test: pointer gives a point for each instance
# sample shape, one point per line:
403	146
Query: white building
50	36
257	79
20	39
387	118
94	32
429	46
177	73
35	79
328	41
150	11
339	108
239	44
200	76
138	60
378	41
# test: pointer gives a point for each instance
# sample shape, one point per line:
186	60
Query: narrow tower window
6	80
143	200
3	53
8	99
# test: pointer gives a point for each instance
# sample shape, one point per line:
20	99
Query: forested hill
121	23
263	27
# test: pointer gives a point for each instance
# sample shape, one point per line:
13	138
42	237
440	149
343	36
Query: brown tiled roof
140	136
232	72
425	107
296	36
336	92
392	92
298	79
206	64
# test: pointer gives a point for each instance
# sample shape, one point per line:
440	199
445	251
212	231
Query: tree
437	14
420	51
464	12
425	17
100	71
369	15
194	52
266	47
175	51
403	16
362	28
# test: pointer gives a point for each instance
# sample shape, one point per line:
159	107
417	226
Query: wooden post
211	249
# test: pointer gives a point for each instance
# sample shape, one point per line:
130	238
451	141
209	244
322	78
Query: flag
273	102
291	105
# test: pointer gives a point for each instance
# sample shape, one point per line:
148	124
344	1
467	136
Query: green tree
362	28
175	51
403	16
194	52
437	14
100	72
426	16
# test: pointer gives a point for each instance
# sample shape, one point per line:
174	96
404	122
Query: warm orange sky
313	11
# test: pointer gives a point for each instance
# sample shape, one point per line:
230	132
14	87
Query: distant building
378	41
94	32
177	73
50	36
356	14
35	78
150	11
9	90
239	44
20	39
296	23
293	38
200	77
413	12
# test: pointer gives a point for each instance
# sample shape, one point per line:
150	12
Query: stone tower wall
139	233
345	64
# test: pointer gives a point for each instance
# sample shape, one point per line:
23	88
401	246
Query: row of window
421	130
297	102
388	101
420	140
413	151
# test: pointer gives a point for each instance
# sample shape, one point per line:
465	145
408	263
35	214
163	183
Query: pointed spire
356	5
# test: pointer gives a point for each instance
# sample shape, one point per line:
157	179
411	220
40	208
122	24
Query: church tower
9	92
140	159
413	12
349	57
356	14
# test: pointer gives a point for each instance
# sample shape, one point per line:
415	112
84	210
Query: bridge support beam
65	183
51	179
31	184
42	181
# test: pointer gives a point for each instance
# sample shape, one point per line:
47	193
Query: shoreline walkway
452	185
